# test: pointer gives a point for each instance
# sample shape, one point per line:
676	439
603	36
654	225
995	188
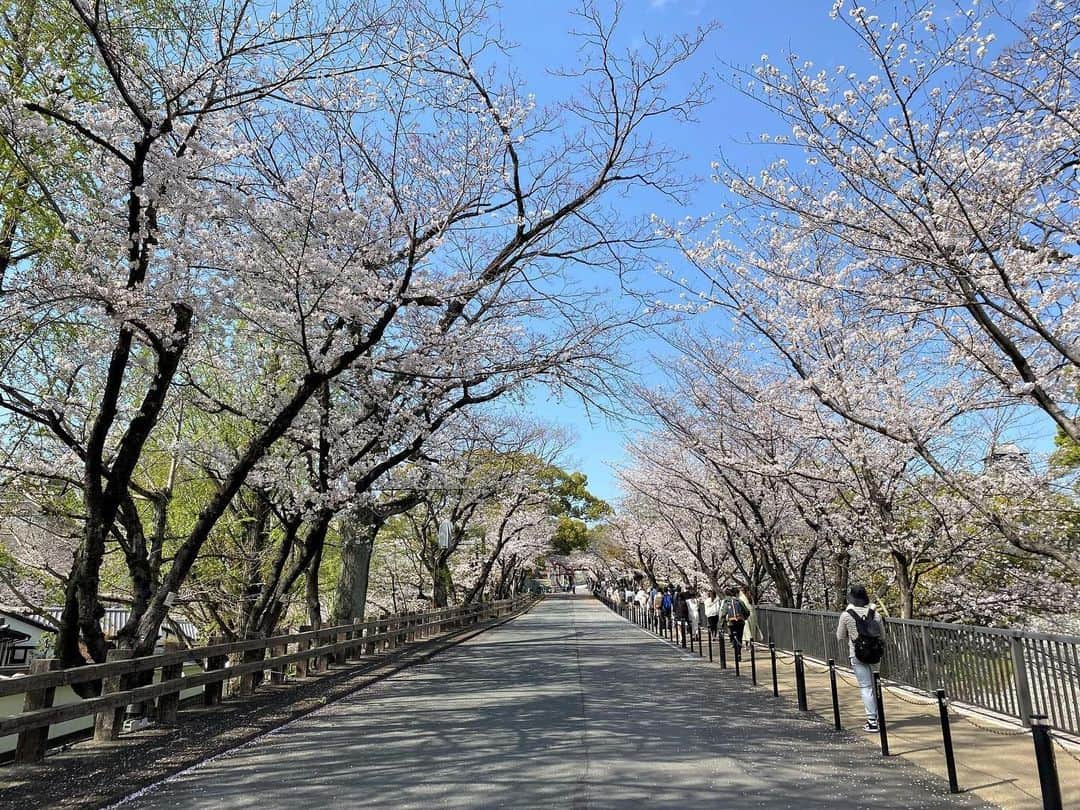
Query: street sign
445	530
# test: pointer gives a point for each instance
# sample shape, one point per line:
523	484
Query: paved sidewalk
566	706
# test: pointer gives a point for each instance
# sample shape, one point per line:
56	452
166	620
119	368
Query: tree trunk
358	544
841	578
442	582
311	588
904	584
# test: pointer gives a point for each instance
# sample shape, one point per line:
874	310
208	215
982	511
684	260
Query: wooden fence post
31	744
322	661
342	655
357	648
304	644
277	673
107	722
250	680
212	691
167	705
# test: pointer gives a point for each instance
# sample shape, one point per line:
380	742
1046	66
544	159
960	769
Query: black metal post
700	654
735	650
710	646
682	633
775	683
946	739
800	681
1044	758
723	650
882	731
835	696
753	665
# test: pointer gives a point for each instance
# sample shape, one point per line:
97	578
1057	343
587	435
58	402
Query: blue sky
731	124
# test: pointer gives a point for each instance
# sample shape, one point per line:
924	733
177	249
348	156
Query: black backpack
869	645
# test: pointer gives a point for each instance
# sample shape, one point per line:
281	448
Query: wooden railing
309	651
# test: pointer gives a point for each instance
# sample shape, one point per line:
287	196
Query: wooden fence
157	680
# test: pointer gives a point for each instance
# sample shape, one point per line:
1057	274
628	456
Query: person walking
682	613
735	615
641	598
712	612
692	610
751	612
667	608
864	631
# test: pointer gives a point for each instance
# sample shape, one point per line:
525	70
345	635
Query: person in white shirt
692	601
712	612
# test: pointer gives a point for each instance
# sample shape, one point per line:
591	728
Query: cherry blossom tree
328	203
914	267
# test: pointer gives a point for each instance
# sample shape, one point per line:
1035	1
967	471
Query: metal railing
1010	672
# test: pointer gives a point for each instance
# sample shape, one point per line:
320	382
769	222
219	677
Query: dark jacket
682	610
733	610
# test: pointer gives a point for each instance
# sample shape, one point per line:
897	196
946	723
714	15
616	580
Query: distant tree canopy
575	507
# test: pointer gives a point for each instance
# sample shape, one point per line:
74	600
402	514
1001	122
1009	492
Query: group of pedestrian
676	605
860	624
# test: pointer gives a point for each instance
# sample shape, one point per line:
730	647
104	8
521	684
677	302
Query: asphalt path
565	706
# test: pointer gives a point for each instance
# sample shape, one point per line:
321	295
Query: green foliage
570	535
570	496
1067	455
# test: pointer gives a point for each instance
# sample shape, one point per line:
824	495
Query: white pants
864	674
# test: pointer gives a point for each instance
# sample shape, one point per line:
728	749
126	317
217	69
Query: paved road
566	706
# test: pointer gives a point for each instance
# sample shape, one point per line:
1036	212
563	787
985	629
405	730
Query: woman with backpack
667	607
682	614
863	630
735	615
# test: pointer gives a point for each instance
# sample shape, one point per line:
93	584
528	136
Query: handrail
95	672
1014	673
996	631
38	714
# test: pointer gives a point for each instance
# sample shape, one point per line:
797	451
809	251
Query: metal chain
896	694
843	676
999	732
1068	751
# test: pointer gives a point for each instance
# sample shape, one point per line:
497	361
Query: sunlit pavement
566	706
